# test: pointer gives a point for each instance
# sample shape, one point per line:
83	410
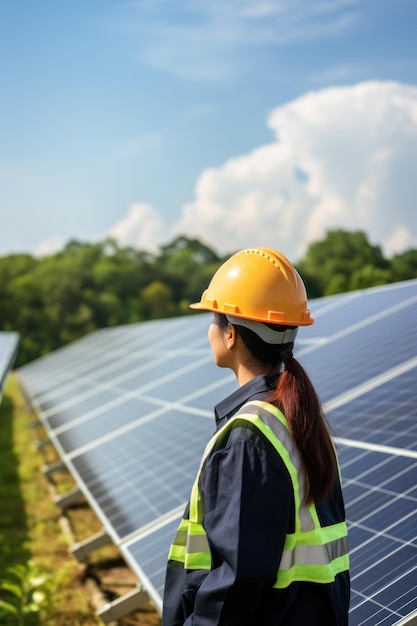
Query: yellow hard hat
258	284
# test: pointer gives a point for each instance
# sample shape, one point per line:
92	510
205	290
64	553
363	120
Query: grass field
35	535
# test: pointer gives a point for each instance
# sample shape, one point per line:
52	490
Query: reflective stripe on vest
312	553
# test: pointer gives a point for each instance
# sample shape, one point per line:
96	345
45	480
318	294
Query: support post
56	466
82	548
124	605
74	496
42	443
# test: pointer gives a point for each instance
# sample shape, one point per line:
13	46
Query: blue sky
239	122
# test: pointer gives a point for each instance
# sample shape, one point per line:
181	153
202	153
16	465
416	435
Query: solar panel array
9	343
129	410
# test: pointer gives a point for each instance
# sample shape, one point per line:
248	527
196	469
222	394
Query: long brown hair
298	400
296	397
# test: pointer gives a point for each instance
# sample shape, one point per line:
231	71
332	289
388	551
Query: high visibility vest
311	553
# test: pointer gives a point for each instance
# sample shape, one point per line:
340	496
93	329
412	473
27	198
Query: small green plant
30	591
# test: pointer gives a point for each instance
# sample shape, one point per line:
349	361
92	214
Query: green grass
31	538
14	537
29	521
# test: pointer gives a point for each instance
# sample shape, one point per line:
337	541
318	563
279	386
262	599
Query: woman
263	541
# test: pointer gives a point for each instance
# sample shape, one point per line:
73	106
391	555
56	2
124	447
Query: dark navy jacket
249	509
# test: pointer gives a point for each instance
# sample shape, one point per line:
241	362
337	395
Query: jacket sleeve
248	502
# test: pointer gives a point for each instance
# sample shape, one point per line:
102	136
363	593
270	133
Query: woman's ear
231	335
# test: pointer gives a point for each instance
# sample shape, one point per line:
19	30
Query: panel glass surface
386	415
106	420
336	313
106	348
154	371
78	407
381	506
147	471
151	553
359	355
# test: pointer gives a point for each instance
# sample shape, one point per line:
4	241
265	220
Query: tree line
56	299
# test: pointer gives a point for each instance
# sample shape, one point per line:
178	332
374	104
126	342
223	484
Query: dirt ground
104	574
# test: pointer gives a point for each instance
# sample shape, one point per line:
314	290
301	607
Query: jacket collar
259	388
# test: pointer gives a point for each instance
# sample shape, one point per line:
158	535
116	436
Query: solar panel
361	349
146	470
9	343
130	410
381	503
385	414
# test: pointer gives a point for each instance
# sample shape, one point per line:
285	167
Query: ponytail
296	397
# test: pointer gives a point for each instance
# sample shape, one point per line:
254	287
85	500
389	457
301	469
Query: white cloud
206	41
142	228
50	245
343	158
400	240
